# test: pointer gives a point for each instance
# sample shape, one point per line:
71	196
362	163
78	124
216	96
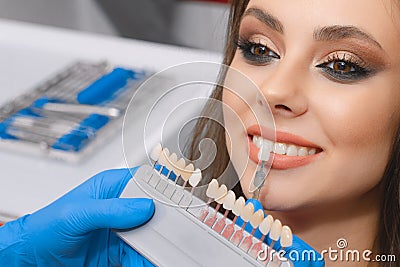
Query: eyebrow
338	32
328	33
266	18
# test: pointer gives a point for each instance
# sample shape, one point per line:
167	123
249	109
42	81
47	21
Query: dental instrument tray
72	113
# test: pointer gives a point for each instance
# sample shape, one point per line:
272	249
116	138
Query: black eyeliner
358	74
246	47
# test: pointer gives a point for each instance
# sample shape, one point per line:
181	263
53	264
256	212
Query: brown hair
209	128
388	238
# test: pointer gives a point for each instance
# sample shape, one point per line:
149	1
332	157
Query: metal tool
259	180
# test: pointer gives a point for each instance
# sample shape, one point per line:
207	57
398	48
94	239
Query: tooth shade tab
187	172
222	191
263	154
171	161
162	160
247	212
173	158
239	205
286	237
257	218
276	230
212	189
266	224
166	153
222	199
229	200
179	167
195	178
258	141
155	153
268	145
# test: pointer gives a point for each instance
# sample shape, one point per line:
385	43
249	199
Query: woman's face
330	72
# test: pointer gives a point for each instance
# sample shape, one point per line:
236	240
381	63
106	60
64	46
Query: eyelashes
345	67
338	66
256	53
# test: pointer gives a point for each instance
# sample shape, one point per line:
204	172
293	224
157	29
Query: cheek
359	122
235	131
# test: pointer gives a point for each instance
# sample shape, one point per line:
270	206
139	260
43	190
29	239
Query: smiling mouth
281	148
288	151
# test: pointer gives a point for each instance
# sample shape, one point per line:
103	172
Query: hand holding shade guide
183	214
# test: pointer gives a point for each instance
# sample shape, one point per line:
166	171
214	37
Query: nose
284	90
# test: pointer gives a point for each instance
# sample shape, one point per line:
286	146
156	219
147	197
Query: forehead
379	18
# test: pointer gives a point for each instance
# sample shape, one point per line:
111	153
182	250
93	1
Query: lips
278	161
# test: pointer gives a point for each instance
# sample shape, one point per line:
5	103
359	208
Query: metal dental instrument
82	109
259	180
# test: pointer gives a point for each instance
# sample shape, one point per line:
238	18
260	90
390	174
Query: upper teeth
267	146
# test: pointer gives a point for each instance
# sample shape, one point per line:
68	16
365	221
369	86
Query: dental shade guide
255	221
211	193
246	214
178	231
178	167
179	195
237	208
228	204
219	197
264	227
286	239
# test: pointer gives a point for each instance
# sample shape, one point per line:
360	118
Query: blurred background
195	24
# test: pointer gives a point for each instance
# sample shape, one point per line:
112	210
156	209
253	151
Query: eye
256	53
341	66
258	50
345	68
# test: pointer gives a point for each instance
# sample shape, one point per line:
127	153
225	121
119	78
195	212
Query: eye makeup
345	67
348	58
339	65
256	52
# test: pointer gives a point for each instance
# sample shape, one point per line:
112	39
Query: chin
279	202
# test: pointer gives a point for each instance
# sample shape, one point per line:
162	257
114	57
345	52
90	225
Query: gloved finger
106	184
130	258
302	254
115	213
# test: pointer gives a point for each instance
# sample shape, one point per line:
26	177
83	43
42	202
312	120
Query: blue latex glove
75	229
294	252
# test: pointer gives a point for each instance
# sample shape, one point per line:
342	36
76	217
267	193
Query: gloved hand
295	252
75	229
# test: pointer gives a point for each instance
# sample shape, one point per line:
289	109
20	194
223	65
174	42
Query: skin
338	194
